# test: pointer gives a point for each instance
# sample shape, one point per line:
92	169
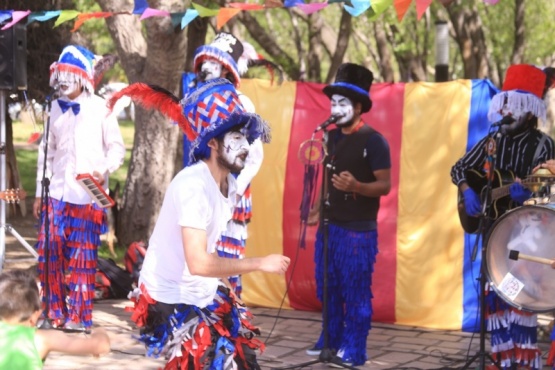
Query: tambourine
312	151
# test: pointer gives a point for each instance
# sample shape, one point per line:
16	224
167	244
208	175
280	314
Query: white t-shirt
193	199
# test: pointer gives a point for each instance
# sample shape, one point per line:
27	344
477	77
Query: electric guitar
500	199
12	196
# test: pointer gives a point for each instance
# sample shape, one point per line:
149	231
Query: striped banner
424	275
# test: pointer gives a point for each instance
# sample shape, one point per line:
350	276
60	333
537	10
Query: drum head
524	284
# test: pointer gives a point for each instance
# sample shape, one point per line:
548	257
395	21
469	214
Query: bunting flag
424	275
141	8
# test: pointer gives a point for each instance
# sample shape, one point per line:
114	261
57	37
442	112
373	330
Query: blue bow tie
65	105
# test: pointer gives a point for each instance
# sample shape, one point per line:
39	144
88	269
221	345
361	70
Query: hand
472	203
550	165
519	193
36	208
98	177
275	263
313	216
345	181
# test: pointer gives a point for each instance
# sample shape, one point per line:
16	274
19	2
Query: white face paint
69	88
342	106
234	151
212	68
519	121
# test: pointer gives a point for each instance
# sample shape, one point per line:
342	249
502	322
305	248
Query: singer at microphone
329	121
507	120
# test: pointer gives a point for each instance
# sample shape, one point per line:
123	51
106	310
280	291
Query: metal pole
442	51
2	175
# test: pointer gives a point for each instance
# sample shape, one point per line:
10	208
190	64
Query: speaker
13	58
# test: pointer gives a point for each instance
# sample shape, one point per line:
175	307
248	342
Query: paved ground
287	335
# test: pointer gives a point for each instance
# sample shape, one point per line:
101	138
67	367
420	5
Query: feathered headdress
207	111
250	58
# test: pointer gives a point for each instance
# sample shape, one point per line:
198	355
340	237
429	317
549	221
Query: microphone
516	255
504	121
202	76
329	121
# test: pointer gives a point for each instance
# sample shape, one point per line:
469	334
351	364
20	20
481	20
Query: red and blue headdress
75	63
212	109
225	49
208	111
522	92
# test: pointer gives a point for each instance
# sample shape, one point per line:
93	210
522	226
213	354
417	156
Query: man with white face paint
221	59
83	138
182	295
358	174
519	147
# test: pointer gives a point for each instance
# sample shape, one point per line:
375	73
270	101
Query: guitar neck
500	192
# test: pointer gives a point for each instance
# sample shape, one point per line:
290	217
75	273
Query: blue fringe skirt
351	258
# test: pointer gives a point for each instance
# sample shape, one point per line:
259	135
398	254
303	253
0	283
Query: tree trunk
518	48
345	30
470	38
158	57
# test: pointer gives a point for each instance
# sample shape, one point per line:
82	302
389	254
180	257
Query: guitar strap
538	149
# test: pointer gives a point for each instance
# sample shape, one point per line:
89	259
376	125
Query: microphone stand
326	354
45	220
483	230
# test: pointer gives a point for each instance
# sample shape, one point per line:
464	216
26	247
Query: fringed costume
230	53
83	138
514	337
517	147
219	336
351	259
348	219
193	320
74	237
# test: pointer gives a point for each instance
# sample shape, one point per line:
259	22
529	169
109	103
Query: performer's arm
252	166
206	264
475	158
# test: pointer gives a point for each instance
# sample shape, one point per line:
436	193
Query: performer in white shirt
185	309
224	58
83	137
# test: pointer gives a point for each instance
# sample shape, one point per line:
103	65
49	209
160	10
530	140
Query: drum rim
486	245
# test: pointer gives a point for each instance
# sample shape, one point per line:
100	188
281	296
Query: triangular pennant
292	3
66	15
149	12
312	7
246	6
205	12
273	4
140	6
380	6
17	15
359	7
5	15
176	18
189	16
42	16
225	15
421	6
401	6
82	18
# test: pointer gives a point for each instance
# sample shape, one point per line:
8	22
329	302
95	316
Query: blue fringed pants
351	258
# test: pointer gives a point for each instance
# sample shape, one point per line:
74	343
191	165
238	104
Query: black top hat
352	81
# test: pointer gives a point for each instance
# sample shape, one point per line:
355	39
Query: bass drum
524	284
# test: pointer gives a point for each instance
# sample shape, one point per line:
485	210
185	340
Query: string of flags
223	15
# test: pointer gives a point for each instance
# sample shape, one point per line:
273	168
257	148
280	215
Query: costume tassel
157	98
309	195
